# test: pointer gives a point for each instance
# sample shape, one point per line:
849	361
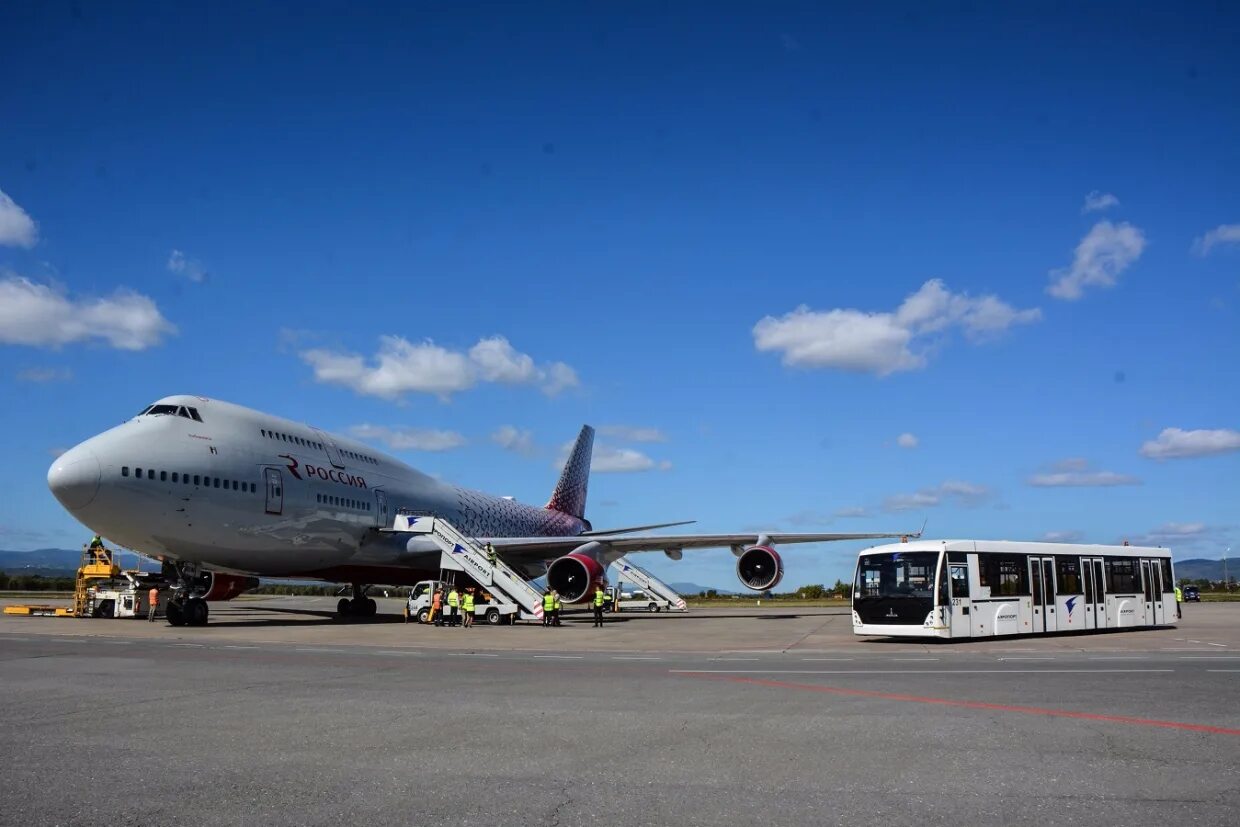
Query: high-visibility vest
154	596
599	597
454	599
1179	595
468	602
548	602
558	604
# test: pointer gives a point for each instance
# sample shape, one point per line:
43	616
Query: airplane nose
74	477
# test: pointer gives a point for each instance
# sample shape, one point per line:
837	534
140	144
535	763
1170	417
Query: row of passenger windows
1008	574
185	479
343	502
318	446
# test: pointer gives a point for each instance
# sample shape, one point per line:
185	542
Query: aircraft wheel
175	613
344	608
371	607
493	617
196	612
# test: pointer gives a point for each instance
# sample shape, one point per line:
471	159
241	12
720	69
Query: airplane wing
551	547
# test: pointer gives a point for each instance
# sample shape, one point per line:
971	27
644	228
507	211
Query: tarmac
276	714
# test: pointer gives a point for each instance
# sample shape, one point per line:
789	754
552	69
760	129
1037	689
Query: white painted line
117	642
319	649
396	652
65	640
1208	643
915	660
907	671
1022	657
1223	670
734	659
561	657
194	645
1120	657
826	659
633	657
472	655
12	637
1209	657
238	647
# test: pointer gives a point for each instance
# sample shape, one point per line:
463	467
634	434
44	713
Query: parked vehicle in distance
1192	593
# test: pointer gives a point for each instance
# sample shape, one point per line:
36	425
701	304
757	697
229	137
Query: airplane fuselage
237	490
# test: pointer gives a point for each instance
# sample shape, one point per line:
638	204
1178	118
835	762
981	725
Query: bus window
960	580
1069	574
1121	575
1005	574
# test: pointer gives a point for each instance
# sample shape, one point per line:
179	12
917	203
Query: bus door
1095	593
961	622
1042	578
1151	578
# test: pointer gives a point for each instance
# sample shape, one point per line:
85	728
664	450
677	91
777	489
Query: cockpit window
161	410
193	412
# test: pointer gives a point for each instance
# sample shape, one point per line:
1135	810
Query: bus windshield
896	574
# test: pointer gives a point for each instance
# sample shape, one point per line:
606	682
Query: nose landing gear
359	605
185	607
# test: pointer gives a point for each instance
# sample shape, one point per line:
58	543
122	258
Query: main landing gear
184	607
359	605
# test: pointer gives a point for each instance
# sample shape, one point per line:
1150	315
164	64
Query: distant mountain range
1199	569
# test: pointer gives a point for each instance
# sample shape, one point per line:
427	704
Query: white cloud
190	268
1174	443
608	459
17	228
1182	534
629	433
853	511
1076	473
965	494
884	343
511	438
1222	234
1063	537
39	316
45	375
1106	251
808	517
1097	201
907	440
406	439
402	367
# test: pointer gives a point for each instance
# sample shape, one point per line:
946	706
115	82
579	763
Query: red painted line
916	699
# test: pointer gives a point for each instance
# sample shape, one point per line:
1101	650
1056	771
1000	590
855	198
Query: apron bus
983	588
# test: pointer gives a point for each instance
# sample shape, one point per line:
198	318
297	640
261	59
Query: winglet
569	496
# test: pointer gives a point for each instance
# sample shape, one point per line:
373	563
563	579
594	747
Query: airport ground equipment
100	589
486	607
39	610
984	588
97	566
461	553
649	584
635	601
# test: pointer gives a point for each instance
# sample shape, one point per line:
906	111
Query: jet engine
211	585
760	568
575	575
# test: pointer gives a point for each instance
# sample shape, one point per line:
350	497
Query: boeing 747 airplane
222	494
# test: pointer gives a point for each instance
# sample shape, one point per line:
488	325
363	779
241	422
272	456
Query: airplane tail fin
569	496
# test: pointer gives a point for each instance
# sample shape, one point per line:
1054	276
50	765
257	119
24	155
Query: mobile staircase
648	583
461	553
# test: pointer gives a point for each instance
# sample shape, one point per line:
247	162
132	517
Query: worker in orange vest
153	597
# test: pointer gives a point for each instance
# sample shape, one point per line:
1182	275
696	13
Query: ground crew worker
467	604
153	597
492	557
96	542
548	607
556	605
454	606
599	599
1179	598
436	615
615	599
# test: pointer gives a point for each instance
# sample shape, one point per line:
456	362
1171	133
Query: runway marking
1022	657
472	655
321	649
1223	670
399	652
1120	657
1209	657
634	657
910	671
65	640
561	657
827	659
238	647
1208	643
117	642
718	660
914	660
193	645
1026	710
11	637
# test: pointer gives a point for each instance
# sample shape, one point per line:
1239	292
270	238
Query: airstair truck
486	608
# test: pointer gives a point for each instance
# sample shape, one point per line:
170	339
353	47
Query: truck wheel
653	607
493	617
424	615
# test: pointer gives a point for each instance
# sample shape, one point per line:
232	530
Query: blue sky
759	245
